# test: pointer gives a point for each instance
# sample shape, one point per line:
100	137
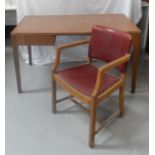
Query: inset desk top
71	24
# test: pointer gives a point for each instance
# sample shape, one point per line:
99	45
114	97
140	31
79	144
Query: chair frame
95	99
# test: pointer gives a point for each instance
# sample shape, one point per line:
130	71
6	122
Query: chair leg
92	125
121	101
53	96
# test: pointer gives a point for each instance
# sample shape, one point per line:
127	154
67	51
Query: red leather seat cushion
83	78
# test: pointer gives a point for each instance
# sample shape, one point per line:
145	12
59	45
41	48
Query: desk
42	30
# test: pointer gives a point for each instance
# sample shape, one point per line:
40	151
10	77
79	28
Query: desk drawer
34	40
39	40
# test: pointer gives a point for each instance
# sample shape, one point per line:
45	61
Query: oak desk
43	29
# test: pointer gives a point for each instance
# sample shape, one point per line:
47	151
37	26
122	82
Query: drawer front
34	39
18	40
39	40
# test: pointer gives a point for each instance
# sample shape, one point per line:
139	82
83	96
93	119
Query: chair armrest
114	63
105	68
72	44
64	46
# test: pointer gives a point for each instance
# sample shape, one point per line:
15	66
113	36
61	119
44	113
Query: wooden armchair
89	84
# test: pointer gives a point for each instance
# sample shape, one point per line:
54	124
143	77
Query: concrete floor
31	128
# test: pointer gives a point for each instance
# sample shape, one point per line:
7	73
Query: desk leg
30	55
136	43
17	68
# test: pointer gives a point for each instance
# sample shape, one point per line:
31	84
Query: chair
88	83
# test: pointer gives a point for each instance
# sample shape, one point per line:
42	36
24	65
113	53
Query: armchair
89	84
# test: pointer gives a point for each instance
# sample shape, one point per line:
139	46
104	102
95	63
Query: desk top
71	24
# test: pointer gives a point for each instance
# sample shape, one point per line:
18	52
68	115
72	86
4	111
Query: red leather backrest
108	44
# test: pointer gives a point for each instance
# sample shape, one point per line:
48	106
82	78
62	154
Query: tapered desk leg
30	55
17	68
136	41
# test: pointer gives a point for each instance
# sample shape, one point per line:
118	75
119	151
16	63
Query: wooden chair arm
64	46
72	44
114	63
105	68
